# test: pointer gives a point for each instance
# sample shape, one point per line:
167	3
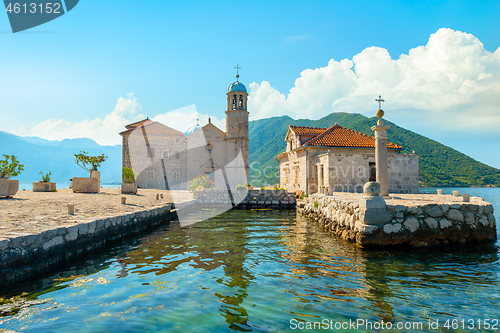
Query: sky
108	63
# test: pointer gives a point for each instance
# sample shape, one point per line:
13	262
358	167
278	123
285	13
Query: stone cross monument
382	172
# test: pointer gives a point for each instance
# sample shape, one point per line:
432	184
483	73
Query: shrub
303	196
46	178
10	167
128	175
315	205
94	162
202	180
240	187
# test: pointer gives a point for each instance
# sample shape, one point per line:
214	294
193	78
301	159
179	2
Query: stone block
484	221
444	223
71	233
491	220
83	229
480	210
455	206
415	210
91	226
44	186
4	244
431	223
393	228
488	209
433	211
445	208
399	208
399	215
53	242
455	215
375	216
99	224
469	218
411	224
372	202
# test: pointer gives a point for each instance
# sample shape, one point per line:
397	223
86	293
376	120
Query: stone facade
426	224
165	158
324	169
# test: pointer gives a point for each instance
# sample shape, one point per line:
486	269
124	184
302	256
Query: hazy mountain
38	154
440	165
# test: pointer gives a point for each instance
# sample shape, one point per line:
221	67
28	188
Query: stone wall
246	199
26	256
395	224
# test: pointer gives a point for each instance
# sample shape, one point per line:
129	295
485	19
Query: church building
165	158
338	159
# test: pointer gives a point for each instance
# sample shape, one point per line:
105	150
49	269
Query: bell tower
237	123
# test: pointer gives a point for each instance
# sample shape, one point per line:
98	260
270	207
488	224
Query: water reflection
255	271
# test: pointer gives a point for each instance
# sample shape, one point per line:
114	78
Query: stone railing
246	199
375	223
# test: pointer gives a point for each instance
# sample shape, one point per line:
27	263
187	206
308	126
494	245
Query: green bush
315	205
202	180
46	178
240	187
128	175
303	196
10	167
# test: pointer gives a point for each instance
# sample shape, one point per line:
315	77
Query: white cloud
103	131
452	81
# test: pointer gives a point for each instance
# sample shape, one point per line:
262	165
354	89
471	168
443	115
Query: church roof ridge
156	129
339	136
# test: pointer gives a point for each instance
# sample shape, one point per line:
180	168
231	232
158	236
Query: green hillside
440	165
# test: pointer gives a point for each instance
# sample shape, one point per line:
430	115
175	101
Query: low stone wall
246	199
397	224
25	256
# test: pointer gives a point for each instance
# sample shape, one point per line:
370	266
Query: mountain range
440	165
37	154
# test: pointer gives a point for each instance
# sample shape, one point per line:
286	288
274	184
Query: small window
151	152
165	154
177	155
151	174
177	175
177	139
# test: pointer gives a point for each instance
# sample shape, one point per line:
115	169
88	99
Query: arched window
240	103
234	103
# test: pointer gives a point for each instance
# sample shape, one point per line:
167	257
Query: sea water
261	271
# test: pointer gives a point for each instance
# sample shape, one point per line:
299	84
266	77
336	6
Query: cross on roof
379	100
237	69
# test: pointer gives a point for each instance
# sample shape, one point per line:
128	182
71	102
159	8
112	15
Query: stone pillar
381	156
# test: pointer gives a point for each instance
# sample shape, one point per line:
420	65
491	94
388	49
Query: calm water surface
257	271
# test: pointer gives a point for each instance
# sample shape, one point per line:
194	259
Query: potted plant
129	186
9	167
44	185
89	164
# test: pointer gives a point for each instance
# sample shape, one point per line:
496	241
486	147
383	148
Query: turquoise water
260	271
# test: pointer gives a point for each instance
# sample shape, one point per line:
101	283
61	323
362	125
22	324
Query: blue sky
127	59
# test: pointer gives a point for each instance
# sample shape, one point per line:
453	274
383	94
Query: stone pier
37	233
403	220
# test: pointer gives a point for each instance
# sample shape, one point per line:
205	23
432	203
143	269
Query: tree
83	159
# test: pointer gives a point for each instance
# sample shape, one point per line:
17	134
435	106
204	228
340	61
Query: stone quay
415	220
41	231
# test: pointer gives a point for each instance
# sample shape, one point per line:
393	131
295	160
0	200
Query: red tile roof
338	136
151	128
301	130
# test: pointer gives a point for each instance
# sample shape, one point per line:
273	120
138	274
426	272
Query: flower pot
8	187
44	186
129	188
86	185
